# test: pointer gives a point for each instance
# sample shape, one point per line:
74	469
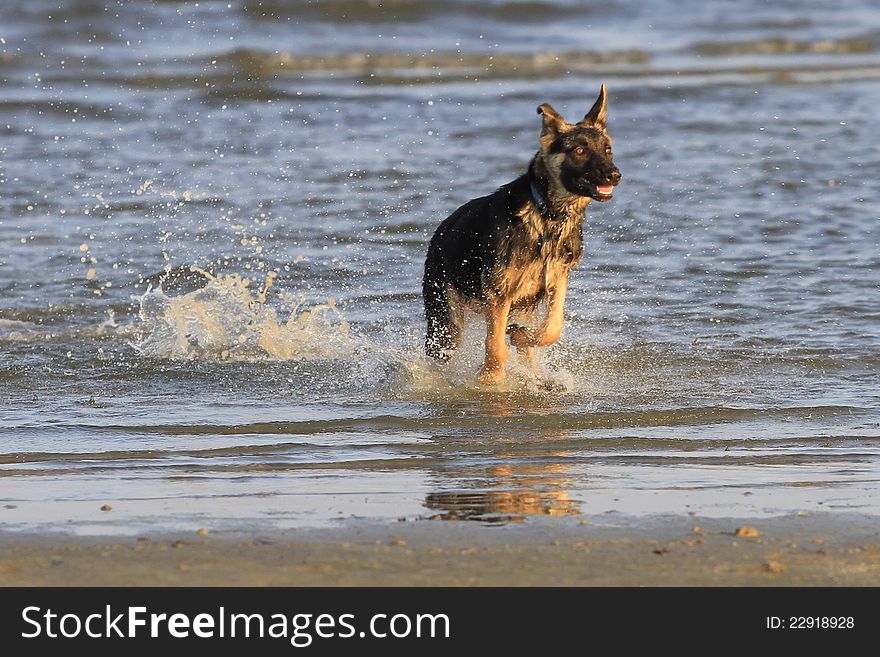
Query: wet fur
501	254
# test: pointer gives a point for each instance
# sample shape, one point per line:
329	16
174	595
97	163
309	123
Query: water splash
227	320
412	375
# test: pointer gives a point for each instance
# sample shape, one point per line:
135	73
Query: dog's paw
546	384
519	336
491	376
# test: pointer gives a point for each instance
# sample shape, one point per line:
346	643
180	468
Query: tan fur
526	271
553	126
541	250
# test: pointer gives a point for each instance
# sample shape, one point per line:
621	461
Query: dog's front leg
523	339
526	339
492	372
551	329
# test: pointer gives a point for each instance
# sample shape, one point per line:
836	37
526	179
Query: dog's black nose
613	177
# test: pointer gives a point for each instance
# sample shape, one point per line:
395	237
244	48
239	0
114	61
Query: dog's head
577	156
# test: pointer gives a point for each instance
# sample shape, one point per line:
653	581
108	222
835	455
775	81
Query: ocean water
214	215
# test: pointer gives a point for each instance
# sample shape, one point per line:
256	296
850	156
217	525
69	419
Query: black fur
462	253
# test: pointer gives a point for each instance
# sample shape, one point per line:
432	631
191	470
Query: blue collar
541	203
538	198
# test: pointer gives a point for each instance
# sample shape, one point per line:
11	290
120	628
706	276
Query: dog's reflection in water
507	493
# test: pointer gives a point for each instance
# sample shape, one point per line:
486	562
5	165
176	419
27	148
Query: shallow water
721	345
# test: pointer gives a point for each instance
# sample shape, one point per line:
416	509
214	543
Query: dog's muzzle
606	189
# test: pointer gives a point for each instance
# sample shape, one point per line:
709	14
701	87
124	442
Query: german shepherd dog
509	251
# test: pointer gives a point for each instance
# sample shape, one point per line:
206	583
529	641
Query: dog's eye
608	150
579	150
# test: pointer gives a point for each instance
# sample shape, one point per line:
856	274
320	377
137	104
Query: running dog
509	251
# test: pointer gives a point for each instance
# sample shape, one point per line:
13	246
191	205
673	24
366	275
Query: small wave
60	108
227	320
247	74
12	330
256	74
504	421
387	11
265	64
780	46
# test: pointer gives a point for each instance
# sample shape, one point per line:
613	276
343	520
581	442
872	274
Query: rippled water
721	346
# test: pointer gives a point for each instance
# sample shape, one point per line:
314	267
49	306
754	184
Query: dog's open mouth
586	186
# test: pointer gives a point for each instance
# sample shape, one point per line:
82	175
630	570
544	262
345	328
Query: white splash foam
226	320
12	330
412	375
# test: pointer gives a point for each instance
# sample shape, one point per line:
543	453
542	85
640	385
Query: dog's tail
440	338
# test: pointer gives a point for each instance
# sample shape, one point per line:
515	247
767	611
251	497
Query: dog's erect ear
554	124
598	112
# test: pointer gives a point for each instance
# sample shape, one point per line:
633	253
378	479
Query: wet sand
796	550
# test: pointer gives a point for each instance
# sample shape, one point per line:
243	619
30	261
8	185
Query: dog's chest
535	253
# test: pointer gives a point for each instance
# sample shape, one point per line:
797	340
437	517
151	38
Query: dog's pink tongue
607	189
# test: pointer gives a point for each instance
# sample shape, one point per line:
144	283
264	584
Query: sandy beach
814	550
